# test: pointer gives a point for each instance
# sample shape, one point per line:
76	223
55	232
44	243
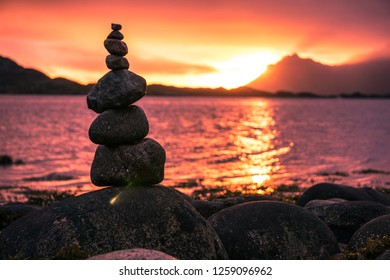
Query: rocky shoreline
328	221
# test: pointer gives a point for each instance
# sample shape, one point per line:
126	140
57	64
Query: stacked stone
124	156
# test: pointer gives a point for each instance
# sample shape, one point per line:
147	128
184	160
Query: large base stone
138	164
111	219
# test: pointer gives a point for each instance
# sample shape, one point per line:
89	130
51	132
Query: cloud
164	66
206	31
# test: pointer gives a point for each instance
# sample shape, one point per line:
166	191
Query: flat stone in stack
117	49
137	164
120	126
125	157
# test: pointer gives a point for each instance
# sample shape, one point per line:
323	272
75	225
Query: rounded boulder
376	229
210	207
273	230
111	219
12	211
346	217
328	190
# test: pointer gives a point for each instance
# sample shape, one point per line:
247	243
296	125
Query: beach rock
111	219
119	127
116	26
6	160
326	202
273	230
116	89
116	47
375	229
346	217
115	35
137	164
133	254
235	200
13	211
116	62
208	208
328	190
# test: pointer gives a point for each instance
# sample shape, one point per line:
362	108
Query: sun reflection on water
249	156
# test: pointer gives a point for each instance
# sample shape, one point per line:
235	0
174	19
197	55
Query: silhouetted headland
15	79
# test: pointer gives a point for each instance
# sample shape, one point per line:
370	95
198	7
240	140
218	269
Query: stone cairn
124	156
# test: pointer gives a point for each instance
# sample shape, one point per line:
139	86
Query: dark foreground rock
209	208
119	127
152	217
273	230
328	190
134	254
376	229
138	164
6	160
384	256
14	211
345	218
116	89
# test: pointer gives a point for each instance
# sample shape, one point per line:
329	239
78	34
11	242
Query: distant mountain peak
296	74
7	63
17	79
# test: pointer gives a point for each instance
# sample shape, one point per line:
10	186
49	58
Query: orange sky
191	42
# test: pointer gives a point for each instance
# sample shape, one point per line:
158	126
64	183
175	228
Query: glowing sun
242	69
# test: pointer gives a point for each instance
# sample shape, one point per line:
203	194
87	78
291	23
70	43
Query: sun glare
237	71
244	68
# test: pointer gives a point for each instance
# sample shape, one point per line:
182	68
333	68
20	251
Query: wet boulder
328	190
376	230
273	230
13	211
208	208
344	218
111	219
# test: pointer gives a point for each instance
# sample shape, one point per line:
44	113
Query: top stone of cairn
116	26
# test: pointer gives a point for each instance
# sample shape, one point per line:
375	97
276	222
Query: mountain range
296	74
291	76
17	79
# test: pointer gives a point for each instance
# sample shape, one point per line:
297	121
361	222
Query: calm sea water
245	144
